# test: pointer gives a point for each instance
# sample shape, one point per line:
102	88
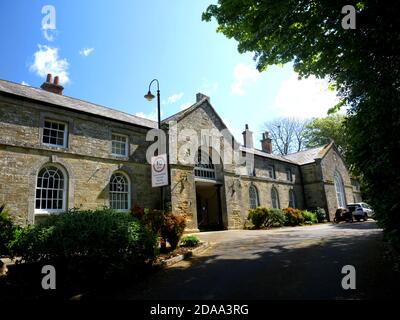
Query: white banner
159	171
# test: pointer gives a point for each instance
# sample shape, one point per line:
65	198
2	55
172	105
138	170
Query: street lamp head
149	96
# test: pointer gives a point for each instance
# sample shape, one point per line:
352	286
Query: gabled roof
26	92
310	155
184	113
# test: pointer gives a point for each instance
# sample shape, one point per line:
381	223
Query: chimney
200	96
53	87
266	143
248	137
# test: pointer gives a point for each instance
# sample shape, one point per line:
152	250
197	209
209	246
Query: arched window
204	167
292	199
339	190
253	197
274	198
51	187
120	195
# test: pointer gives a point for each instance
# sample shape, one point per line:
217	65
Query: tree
286	134
362	64
320	131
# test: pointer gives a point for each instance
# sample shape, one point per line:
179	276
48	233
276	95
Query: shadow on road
276	267
365	225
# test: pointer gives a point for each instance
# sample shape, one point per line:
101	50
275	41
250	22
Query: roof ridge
302	151
73	99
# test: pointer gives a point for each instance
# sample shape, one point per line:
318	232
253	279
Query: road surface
288	263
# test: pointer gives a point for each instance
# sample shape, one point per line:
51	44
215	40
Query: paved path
287	263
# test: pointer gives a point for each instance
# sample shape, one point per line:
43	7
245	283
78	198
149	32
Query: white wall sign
159	171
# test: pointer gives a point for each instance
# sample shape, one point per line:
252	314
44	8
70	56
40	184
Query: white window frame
289	174
271	166
65	135
275	191
204	168
339	190
292	198
126	144
64	196
253	190
129	190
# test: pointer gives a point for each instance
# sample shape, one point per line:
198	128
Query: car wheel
366	217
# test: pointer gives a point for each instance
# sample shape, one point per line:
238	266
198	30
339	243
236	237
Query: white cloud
185	105
208	88
304	98
150	116
174	98
46	60
86	51
25	83
243	74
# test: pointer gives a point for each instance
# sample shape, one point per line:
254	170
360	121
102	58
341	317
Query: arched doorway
208	182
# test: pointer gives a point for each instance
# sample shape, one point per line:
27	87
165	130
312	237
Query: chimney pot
248	137
52	87
266	142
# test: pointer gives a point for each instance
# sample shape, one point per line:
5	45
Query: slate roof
308	156
36	94
266	155
73	104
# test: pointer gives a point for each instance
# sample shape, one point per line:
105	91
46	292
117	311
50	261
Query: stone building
58	153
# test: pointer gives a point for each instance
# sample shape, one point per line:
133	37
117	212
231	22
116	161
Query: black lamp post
149	96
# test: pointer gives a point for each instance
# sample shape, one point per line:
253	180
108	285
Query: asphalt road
288	263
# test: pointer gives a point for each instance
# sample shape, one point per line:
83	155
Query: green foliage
7	230
321	214
275	218
293	216
258	216
321	131
309	217
101	242
167	226
189	241
263	217
172	229
363	65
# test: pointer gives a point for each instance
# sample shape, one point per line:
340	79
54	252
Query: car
361	210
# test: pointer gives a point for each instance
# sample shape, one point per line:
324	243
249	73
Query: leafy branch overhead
362	64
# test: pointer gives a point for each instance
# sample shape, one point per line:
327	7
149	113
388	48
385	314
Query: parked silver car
361	210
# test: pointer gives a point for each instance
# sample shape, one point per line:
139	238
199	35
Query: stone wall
332	162
87	159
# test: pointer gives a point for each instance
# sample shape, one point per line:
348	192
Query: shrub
88	244
293	216
7	230
309	217
258	216
275	218
190	241
321	214
172	229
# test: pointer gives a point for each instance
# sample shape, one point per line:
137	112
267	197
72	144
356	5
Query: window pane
50	189
53	133
119	192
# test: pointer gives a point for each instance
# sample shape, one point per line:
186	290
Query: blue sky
107	52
